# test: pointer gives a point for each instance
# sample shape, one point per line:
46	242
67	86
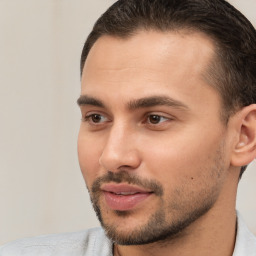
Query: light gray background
41	188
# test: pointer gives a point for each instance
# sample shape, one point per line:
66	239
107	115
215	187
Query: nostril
125	166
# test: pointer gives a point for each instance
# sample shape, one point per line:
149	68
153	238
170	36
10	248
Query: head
232	71
156	77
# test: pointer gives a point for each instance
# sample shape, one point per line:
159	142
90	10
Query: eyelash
89	119
158	117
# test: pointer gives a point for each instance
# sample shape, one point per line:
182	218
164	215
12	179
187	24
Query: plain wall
41	188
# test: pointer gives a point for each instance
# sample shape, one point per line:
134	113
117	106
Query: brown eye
96	118
154	119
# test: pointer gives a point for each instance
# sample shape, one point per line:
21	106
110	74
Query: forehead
137	50
147	63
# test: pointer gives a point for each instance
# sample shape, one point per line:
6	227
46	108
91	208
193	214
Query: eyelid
158	126
87	117
163	115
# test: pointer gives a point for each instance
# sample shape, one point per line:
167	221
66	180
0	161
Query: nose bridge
120	149
115	143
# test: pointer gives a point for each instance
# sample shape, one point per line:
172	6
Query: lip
124	197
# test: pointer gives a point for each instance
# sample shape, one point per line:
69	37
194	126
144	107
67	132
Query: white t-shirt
93	242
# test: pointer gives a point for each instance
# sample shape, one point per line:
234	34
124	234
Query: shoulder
91	242
245	240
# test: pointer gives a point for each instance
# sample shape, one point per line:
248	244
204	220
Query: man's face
152	147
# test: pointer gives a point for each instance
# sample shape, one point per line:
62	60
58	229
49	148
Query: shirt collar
245	240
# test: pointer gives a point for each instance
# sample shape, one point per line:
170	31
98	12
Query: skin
189	152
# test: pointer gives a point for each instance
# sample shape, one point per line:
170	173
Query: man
168	127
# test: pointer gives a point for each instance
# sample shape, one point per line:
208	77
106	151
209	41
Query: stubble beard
169	220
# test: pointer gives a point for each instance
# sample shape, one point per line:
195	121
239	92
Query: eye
156	119
95	118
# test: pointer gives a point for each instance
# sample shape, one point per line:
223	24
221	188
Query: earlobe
244	151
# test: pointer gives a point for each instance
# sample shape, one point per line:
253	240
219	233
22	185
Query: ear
244	151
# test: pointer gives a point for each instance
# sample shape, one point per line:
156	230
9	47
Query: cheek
187	174
181	157
88	156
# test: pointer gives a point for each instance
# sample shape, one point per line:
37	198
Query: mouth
124	197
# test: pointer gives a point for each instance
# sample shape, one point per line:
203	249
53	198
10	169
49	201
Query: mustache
126	177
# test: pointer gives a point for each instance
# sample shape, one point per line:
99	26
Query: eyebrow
87	100
136	103
156	101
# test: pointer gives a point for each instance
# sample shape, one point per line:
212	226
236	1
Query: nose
121	150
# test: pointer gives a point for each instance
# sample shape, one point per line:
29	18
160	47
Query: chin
125	228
